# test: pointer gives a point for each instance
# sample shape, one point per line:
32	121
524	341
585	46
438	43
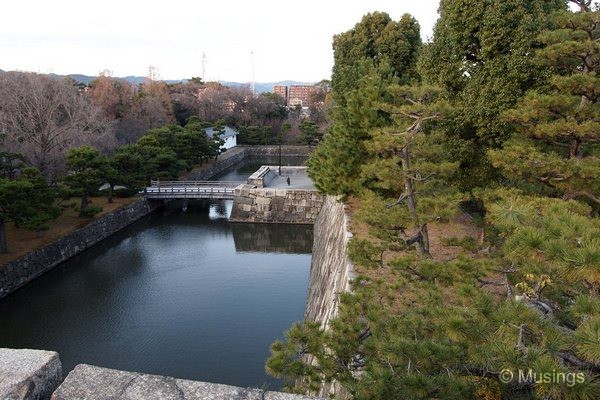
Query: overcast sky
289	39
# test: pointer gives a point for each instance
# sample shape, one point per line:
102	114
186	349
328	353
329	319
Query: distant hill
260	87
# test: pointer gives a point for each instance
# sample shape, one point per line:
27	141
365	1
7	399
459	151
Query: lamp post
286	127
280	139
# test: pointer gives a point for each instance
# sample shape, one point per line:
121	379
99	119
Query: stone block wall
262	177
22	270
330	273
225	160
330	270
286	150
266	205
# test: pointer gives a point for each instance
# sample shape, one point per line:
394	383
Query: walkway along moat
189	295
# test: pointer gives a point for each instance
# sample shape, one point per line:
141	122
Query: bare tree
41	117
113	95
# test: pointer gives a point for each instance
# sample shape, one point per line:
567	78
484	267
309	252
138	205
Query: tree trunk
410	201
425	233
3	245
84	201
110	192
574	150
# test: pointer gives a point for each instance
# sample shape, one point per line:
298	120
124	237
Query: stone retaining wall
17	273
330	273
225	160
265	205
286	150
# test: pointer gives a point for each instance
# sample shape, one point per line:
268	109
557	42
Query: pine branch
582	193
402	197
484	282
520	344
420	178
571	359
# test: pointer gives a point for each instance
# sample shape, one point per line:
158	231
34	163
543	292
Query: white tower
203	67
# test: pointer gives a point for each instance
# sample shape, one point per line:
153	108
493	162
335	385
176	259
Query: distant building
296	94
229	136
300	95
282	91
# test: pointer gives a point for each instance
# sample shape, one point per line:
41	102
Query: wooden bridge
218	190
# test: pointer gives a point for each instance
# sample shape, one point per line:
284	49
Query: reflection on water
263	238
181	294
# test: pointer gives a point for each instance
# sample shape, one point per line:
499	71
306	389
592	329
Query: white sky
290	39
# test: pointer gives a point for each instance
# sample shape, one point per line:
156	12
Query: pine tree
410	163
482	56
557	146
27	202
87	168
367	59
335	164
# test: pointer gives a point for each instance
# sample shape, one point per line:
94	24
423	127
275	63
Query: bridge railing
188	190
167	184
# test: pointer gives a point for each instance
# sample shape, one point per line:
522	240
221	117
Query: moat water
183	294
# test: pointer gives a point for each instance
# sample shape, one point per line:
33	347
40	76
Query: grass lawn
21	241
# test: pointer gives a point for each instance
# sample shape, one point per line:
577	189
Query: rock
96	383
28	374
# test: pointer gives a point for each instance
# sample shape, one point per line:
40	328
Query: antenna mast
203	67
252	62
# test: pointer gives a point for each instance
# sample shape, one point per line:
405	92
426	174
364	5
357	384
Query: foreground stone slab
95	383
28	374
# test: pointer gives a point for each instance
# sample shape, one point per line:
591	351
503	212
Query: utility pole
252	66
280	140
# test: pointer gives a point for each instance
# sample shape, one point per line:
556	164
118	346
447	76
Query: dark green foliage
311	134
335	164
556	148
10	163
382	41
368	58
27	202
526	295
163	153
482	55
189	143
256	135
86	172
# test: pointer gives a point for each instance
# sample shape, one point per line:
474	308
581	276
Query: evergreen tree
367	59
27	202
86	172
482	55
381	40
310	132
410	163
557	147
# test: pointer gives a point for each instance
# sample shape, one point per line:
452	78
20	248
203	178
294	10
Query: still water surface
188	295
